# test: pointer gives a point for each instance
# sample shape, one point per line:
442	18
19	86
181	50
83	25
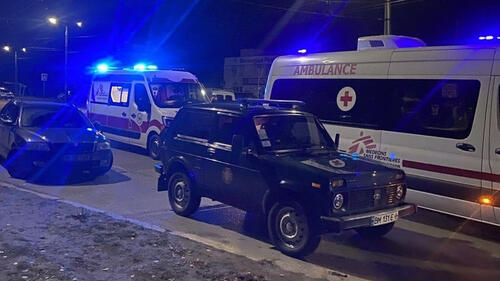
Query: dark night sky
197	35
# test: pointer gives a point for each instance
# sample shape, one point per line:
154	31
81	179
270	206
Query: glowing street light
6	48
52	20
23	50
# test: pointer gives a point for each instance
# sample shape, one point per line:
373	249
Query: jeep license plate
384	218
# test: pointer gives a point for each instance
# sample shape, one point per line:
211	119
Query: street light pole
16	79
387	17
66	59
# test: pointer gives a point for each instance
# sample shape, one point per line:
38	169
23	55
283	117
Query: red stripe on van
451	171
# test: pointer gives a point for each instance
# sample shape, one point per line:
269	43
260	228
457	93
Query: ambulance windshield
173	94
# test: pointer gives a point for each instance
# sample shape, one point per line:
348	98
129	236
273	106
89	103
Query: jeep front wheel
181	194
291	229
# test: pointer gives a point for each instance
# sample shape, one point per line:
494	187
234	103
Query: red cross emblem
346	99
337	163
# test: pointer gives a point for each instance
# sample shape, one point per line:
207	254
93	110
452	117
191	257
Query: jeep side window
196	124
226	126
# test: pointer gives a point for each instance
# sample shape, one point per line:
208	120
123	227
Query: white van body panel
427	158
125	123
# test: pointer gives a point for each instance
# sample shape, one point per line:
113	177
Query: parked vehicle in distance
133	106
6	93
272	158
432	111
218	95
52	139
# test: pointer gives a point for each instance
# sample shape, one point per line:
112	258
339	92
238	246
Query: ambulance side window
119	94
141	98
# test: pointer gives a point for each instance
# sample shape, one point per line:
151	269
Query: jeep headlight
36	146
103	146
338	201
400	191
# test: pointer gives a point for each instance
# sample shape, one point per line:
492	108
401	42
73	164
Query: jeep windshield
174	94
290	132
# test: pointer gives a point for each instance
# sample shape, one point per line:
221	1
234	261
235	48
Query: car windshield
177	94
286	132
52	116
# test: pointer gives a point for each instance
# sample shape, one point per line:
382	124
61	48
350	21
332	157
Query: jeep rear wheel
291	229
154	146
375	231
181	194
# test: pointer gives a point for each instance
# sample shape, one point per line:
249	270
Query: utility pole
387	17
16	79
66	59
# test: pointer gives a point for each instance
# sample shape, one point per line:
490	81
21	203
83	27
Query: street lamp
54	21
7	49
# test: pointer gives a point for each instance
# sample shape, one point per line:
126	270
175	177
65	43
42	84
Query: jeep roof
254	106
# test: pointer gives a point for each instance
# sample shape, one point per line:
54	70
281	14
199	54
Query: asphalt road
427	246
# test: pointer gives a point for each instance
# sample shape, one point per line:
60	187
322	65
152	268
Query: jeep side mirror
237	144
337	141
6	119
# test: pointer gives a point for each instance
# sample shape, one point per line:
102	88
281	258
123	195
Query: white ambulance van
432	111
133	106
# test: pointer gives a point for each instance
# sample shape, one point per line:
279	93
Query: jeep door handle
124	114
466	147
211	150
497	151
133	115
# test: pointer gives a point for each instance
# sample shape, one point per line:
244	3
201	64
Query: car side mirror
237	144
6	119
337	141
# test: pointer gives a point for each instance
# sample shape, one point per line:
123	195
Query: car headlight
399	191
102	146
36	146
338	201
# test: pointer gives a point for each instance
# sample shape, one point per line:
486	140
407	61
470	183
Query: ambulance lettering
326	69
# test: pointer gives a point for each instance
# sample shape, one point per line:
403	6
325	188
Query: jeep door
189	142
237	179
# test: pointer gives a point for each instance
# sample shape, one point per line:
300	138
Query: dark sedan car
51	139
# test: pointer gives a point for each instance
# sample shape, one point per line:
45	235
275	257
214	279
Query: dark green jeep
271	158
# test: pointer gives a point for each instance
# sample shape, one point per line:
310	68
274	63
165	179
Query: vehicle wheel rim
181	193
291	227
155	145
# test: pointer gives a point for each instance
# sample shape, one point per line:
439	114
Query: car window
196	124
11	111
53	117
226	126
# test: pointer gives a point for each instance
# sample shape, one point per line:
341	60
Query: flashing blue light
152	67
489	37
302	51
140	67
102	67
482	37
392	156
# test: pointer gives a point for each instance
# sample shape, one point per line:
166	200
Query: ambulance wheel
291	229
375	231
154	146
182	195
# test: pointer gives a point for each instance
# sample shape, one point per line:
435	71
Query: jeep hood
325	166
